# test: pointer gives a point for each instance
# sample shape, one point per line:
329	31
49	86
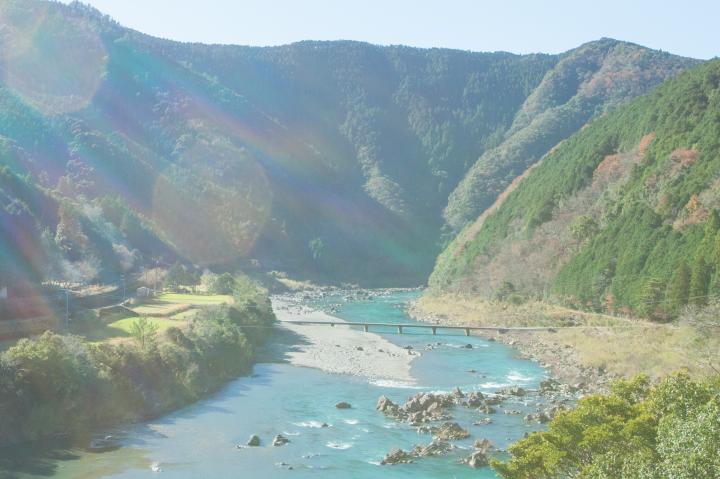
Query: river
200	441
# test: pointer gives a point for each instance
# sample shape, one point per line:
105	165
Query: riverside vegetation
63	384
670	430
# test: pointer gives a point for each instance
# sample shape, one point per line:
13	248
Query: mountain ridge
327	159
622	217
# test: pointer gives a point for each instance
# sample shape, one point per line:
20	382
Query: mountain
621	217
586	82
328	159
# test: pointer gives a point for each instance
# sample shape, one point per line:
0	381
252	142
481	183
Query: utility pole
123	284
67	307
157	265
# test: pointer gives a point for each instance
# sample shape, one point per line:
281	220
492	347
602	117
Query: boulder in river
254	441
540	417
513	391
449	431
548	386
343	405
397	456
280	440
487	409
483	445
475	399
386	406
494	400
435	448
477	459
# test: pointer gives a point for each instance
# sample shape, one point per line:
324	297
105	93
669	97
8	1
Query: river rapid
201	441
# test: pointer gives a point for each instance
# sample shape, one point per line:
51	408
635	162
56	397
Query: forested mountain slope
335	159
587	82
623	216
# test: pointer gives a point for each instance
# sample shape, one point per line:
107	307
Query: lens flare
54	63
216	212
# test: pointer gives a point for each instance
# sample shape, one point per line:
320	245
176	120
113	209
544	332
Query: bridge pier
434	329
399	329
366	328
467	331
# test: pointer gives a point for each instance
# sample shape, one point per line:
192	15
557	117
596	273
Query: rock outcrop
280	440
397	456
449	431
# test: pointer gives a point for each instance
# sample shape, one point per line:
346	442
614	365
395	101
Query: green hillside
586	82
621	217
326	159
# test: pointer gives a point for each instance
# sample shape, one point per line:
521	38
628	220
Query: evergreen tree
651	299
710	236
699	281
680	287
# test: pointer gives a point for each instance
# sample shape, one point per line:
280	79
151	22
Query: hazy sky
685	27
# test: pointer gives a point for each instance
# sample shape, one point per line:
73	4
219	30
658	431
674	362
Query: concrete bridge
400	327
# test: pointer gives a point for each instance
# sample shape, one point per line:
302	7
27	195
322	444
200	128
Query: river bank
586	350
561	360
67	386
340	350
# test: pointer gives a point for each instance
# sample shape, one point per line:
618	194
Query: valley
337	258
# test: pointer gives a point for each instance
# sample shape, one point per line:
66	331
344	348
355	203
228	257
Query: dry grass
624	347
655	351
174	304
459	308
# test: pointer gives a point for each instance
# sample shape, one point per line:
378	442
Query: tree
223	284
144	330
651	299
637	431
699	281
179	274
506	289
69	235
680	287
316	248
583	227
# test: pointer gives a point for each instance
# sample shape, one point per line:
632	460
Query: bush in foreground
638	431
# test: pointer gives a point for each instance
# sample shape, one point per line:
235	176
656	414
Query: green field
123	326
195	299
166	310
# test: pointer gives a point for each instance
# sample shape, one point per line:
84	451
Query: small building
143	292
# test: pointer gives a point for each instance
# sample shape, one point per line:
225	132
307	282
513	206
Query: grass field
195	299
174	304
123	326
625	347
165	310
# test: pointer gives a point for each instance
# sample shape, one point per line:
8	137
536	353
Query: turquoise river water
200	441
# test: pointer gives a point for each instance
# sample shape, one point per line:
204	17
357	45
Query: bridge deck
434	327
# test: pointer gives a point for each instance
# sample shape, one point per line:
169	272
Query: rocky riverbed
559	360
432	413
340	349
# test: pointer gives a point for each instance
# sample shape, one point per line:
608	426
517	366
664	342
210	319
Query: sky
688	27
